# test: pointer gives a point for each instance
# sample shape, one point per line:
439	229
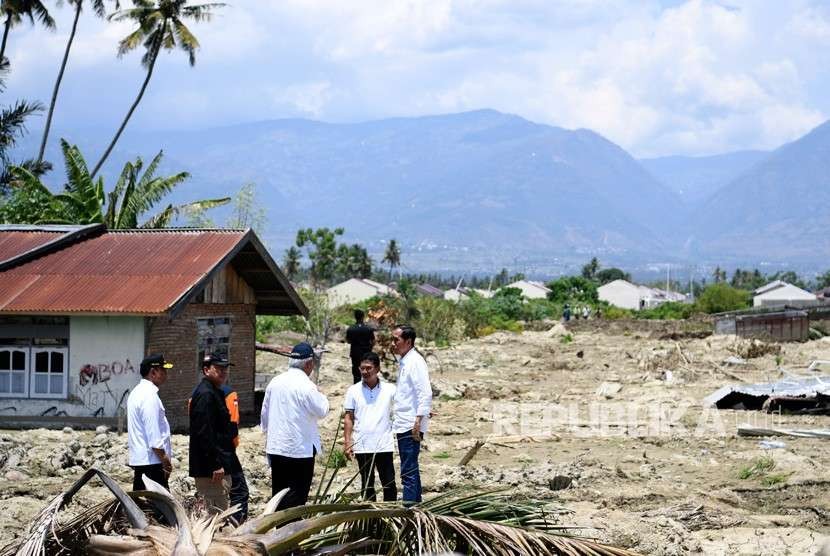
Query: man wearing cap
413	401
212	454
292	406
148	432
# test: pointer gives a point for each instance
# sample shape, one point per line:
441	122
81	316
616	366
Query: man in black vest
362	339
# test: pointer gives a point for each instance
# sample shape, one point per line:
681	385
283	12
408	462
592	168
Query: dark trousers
356	369
409	449
382	461
154	472
294	474
239	495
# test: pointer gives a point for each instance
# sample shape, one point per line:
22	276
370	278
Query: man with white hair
292	406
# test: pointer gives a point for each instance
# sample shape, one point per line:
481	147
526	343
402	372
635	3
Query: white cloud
698	77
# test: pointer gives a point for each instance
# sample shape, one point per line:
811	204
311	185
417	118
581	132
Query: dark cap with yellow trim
153	360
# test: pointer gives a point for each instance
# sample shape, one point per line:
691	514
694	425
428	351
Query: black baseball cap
218	359
153	360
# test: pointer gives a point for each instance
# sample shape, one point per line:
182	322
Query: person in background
148	432
413	401
361	339
213	459
367	429
239	486
290	410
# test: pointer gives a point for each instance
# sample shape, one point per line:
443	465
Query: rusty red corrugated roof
14	243
121	272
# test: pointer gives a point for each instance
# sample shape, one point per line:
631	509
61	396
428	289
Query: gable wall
177	340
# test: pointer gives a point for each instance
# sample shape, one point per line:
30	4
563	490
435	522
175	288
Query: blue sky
658	78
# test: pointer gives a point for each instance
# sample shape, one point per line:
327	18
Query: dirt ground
603	420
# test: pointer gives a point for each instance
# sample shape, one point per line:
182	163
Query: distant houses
429	290
624	294
355	290
530	289
779	293
461	293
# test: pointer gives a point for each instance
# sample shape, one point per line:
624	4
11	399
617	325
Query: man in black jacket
212	454
361	339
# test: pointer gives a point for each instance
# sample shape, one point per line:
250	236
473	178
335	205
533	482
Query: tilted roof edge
72	236
249	237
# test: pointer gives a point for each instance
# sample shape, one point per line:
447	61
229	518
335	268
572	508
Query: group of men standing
214	433
378	416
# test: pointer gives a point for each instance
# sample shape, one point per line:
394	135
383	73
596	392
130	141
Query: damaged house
81	306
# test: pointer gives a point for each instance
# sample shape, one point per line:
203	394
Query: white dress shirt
147	425
413	395
290	411
372	409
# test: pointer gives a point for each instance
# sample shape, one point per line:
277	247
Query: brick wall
176	339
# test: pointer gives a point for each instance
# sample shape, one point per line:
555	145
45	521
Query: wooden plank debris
746	430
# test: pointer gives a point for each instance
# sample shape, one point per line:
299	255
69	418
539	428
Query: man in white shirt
367	429
292	406
148	432
413	401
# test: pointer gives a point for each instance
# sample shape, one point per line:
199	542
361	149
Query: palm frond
187	41
114	196
201	12
160	220
41	12
13	121
305	530
130	42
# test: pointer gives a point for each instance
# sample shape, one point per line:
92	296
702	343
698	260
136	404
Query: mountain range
486	188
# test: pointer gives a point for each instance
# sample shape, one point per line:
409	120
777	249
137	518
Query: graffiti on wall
103	387
102	372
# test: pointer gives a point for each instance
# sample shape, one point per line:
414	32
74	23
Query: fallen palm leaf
154	523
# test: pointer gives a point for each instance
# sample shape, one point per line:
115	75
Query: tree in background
247	211
718	275
160	26
573	289
14	12
353	260
607	275
98	8
589	271
823	281
291	262
747	279
721	297
392	255
321	245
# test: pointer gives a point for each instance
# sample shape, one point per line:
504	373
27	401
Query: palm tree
392	255
12	128
160	26
353	261
98	7
16	10
291	262
84	201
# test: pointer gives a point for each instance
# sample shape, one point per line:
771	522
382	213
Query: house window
49	373
14	371
213	336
